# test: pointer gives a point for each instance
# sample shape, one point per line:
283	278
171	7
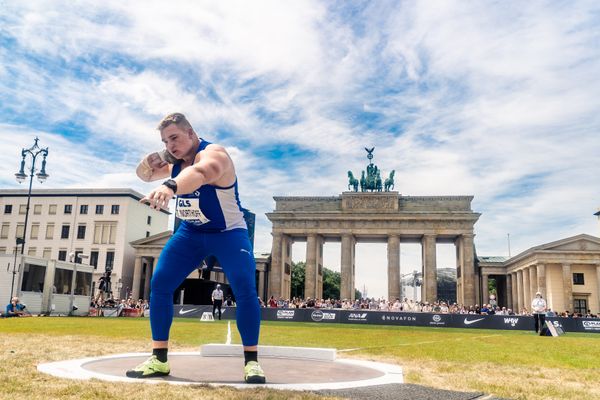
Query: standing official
217	300
538	306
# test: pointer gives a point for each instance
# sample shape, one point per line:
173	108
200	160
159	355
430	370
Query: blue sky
493	99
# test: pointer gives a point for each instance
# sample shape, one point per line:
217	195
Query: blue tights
182	254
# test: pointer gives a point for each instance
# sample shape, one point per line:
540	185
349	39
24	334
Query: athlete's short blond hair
174	118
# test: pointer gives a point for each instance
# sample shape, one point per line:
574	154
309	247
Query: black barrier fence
471	321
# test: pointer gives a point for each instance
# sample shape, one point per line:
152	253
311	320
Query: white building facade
88	226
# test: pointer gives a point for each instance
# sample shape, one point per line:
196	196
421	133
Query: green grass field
517	365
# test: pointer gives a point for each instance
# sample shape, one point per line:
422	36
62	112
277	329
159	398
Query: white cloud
494	99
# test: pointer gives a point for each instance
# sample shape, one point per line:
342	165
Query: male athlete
204	180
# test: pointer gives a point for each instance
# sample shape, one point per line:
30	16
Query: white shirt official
538	305
217	294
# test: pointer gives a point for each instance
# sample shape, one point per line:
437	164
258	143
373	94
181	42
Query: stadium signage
591	325
437	320
286	314
398	318
319	316
361	317
470	321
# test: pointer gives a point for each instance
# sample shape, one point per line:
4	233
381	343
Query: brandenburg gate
376	216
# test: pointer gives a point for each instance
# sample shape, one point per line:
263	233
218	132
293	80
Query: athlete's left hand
159	198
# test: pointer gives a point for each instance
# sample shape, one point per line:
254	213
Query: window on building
81	232
83	283
110	260
64	232
94	258
149	220
2	250
49	231
578	278
33	278
22	209
4	231
580	306
8	209
31	251
35	231
105	232
114	209
83	209
37	209
147	233
47	253
62	280
99	209
52	209
68	208
62	255
20	230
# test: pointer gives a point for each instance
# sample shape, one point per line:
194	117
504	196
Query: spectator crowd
406	305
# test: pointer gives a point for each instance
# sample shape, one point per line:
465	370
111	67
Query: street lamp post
34	151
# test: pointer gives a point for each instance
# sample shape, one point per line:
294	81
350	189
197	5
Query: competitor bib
189	209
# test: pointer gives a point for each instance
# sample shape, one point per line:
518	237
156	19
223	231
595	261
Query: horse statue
378	185
363	182
352	182
389	182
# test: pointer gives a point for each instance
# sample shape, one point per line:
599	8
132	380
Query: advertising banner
467	321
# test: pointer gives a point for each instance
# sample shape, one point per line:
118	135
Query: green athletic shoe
149	369
253	373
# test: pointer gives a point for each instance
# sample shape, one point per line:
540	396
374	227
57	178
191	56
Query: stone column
261	285
393	254
568	287
520	296
526	295
485	288
287	267
509	297
319	246
137	278
429	286
276	267
460	298
148	279
541	279
310	277
468	269
598	286
533	283
515	296
347	267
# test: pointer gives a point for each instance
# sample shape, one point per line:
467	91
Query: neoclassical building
386	217
566	272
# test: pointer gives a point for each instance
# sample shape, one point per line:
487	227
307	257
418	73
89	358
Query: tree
298	278
331	282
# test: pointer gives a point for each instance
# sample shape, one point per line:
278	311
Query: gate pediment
576	243
376	201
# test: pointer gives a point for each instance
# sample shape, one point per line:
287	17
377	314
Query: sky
494	99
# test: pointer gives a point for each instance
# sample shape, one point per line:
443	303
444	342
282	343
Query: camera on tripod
104	283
